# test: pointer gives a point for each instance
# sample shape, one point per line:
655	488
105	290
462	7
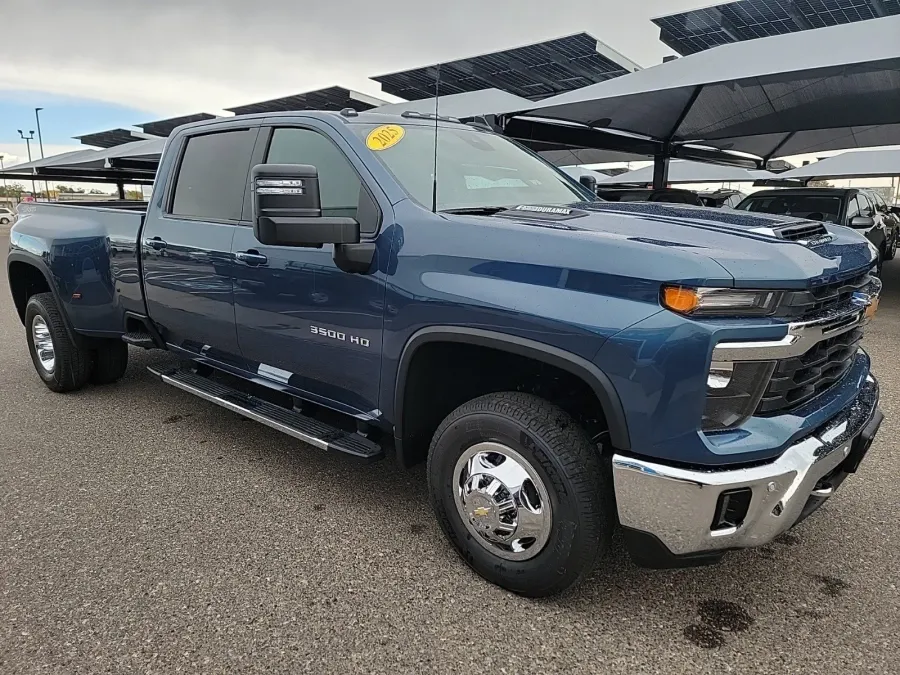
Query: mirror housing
589	182
862	222
287	209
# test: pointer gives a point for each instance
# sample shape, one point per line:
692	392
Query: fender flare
595	378
41	266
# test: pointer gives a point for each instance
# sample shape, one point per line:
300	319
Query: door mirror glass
862	222
287	209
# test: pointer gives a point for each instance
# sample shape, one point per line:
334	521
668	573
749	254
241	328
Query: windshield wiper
477	210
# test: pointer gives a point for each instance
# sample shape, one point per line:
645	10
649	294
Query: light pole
6	194
28	140
37	118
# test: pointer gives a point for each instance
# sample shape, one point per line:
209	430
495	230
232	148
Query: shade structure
575	156
692	172
466	105
857	164
132	162
577	172
831	86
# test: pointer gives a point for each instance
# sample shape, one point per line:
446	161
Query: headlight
719	301
733	391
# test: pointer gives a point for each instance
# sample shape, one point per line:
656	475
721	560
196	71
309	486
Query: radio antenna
437	98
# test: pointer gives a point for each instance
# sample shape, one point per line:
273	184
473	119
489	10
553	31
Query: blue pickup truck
429	290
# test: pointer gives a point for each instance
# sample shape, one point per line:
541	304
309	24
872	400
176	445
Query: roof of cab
355	118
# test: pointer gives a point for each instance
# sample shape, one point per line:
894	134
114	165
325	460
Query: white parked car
6	216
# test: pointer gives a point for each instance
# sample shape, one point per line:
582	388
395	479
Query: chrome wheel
502	501
43	343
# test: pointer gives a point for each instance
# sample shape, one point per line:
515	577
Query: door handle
252	257
156	243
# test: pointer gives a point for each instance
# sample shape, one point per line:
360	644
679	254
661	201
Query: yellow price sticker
384	137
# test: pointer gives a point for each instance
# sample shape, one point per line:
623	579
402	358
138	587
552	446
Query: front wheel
521	492
4	221
61	364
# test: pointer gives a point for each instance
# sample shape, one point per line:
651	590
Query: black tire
72	364
574	473
110	362
4	221
891	249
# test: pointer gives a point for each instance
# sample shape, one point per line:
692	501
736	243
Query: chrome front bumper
678	506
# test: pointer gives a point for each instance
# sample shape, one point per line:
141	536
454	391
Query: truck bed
91	249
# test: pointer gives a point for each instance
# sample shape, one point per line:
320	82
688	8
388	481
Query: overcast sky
94	64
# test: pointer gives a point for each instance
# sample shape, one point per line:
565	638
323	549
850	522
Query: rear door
301	321
186	245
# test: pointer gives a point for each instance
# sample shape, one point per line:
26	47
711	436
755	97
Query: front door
300	319
187	244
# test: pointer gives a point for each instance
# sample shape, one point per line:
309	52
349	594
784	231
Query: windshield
810	207
475	169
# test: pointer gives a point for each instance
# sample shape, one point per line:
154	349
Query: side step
144	340
309	430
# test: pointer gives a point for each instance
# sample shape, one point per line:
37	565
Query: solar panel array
701	29
331	98
110	139
534	71
165	127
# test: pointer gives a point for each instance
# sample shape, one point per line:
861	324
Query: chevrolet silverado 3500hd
565	366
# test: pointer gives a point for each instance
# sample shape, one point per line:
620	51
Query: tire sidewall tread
73	363
568	463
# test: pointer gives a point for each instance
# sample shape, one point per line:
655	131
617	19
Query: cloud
173	57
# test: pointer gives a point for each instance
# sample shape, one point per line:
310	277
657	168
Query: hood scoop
809	233
544	213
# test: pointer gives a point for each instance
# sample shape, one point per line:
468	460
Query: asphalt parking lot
143	530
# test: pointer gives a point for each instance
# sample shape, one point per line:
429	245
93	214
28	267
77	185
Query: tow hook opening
731	509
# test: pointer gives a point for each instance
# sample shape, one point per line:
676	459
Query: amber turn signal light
679	299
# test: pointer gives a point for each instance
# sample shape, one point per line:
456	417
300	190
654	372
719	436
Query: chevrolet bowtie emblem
481	512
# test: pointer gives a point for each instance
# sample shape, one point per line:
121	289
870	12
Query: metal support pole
121	186
37	118
660	172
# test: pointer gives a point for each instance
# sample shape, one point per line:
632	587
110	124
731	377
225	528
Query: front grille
822	298
799	379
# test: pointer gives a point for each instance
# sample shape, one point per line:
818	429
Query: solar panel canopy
165	127
534	71
700	29
330	98
111	138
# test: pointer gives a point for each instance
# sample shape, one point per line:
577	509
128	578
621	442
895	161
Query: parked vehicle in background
668	195
6	216
564	366
858	208
719	199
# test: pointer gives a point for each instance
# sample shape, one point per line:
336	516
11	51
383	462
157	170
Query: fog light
720	374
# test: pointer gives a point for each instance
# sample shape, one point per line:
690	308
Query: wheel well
24	281
443	375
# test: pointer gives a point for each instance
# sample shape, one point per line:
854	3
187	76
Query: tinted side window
213	174
854	208
866	205
339	186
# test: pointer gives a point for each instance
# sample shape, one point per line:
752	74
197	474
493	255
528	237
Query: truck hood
746	245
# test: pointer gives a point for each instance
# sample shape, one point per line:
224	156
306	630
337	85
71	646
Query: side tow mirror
287	210
589	182
862	222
